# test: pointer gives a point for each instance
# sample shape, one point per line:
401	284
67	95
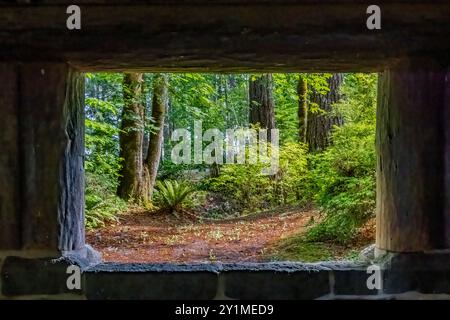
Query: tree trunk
320	123
131	138
302	91
167	132
261	107
156	138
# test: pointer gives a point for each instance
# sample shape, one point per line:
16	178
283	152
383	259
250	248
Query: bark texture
261	108
269	36
302	92
156	139
131	138
320	123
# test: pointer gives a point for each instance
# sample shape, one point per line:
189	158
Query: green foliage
218	101
172	195
287	100
360	97
103	109
293	168
247	185
171	171
102	205
204	97
341	179
104	103
296	248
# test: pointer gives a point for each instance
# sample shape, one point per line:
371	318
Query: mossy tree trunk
131	138
156	137
302	91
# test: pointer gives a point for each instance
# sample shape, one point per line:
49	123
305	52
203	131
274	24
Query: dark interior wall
42	157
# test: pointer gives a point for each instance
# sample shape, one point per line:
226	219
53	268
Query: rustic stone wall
23	278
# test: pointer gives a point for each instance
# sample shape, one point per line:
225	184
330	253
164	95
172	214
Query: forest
142	206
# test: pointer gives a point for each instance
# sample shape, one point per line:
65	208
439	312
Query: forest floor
151	237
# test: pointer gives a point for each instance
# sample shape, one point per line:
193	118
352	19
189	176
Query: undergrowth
102	204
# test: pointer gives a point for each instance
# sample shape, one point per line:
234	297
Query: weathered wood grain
207	2
51	141
9	159
446	127
226	37
71	176
411	158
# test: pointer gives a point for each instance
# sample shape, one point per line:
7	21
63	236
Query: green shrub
102	205
341	180
297	248
248	186
171	171
173	196
342	183
292	172
245	184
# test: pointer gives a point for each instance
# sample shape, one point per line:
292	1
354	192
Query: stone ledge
44	276
427	272
273	285
352	282
112	267
273	280
289	267
424	281
151	285
59	296
437	260
217	267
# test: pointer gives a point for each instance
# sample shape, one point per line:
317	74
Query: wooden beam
223	37
211	2
411	167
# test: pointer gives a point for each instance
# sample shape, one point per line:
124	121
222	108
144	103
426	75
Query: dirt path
149	237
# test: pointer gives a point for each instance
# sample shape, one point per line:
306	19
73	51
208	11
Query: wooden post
52	147
10	238
41	163
446	120
412	158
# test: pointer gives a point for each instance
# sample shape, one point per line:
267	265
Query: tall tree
320	122
302	91
156	137
261	106
131	137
